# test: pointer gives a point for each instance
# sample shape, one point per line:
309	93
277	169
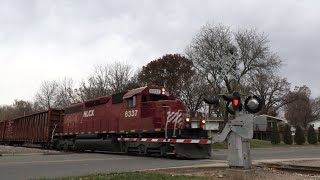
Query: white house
265	122
262	126
211	124
315	124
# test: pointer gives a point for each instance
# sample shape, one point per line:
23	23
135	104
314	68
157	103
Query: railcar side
36	128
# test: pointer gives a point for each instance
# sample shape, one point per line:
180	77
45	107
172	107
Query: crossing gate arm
163	140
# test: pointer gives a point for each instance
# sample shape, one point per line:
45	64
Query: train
145	121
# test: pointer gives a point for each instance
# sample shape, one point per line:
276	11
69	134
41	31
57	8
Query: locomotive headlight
163	91
187	119
203	121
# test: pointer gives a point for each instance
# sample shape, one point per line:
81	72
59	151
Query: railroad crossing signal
253	104
239	130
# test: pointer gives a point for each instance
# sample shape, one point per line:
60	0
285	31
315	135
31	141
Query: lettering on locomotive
130	113
88	113
154	91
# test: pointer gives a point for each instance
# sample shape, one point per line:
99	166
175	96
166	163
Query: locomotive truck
146	121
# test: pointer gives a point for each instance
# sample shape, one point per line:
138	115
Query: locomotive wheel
142	150
66	147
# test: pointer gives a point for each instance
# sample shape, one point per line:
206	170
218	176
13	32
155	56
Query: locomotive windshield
156	97
153	97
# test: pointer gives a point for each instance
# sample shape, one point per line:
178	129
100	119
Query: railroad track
292	168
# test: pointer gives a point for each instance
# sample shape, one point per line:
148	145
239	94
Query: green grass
255	143
131	176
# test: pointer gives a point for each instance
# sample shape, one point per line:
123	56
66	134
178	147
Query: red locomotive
146	120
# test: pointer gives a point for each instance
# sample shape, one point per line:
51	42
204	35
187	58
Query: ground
214	173
6	150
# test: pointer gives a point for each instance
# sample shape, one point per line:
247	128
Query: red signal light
235	102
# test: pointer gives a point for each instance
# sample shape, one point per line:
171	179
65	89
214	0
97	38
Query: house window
131	102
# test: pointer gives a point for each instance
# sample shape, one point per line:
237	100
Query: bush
319	134
287	136
299	136
275	135
312	135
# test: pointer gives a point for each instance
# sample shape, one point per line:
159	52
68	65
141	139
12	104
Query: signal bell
212	101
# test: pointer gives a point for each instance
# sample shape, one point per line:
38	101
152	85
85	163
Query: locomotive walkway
39	166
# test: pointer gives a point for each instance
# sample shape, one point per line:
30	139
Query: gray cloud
45	40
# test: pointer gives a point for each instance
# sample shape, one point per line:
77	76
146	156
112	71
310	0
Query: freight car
146	121
36	128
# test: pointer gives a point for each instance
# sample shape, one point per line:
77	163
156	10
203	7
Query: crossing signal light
253	104
235	102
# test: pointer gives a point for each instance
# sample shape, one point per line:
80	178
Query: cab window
131	101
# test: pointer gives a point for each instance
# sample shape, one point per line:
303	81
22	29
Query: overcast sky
49	40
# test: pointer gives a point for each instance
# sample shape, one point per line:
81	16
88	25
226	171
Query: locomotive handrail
54	129
166	126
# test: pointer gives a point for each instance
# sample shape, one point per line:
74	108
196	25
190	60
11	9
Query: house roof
318	120
276	118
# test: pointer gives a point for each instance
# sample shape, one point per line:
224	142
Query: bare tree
119	77
22	108
106	80
46	97
66	94
192	93
272	89
315	105
6	112
214	42
299	112
134	81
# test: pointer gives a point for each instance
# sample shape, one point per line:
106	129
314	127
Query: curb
21	154
30	154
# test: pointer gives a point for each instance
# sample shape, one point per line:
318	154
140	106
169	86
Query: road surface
275	153
40	166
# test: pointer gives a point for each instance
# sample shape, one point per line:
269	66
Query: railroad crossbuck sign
226	63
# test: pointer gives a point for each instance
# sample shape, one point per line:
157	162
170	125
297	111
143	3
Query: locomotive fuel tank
97	145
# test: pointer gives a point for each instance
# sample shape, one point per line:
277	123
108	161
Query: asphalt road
275	153
40	166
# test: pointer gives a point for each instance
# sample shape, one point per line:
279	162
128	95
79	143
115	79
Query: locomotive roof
134	92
